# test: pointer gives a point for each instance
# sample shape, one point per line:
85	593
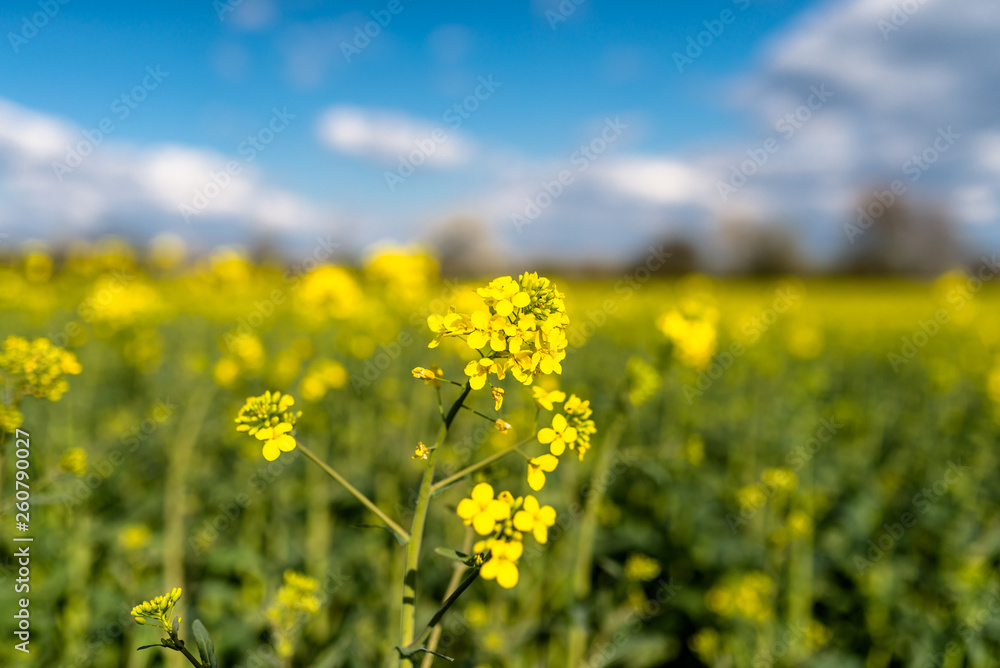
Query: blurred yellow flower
74	461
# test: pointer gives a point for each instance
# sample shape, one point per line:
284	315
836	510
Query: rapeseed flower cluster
297	600
37	368
570	430
503	520
158	611
521	330
268	418
748	595
692	328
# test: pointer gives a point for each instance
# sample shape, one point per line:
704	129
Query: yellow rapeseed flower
545	399
535	519
538	467
558	436
502	565
268	418
482	511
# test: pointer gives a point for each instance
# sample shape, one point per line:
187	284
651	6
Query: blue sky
564	72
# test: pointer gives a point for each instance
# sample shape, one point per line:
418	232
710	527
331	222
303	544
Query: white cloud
120	186
388	137
655	180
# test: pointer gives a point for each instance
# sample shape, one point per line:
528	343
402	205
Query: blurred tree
886	236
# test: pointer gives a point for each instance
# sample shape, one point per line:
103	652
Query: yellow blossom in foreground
545	399
497	393
558	436
536	519
502	565
431	376
538	467
482	511
421	451
502	426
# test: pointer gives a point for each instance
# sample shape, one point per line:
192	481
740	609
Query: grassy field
784	473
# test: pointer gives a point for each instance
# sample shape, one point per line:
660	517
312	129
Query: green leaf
206	648
399	538
452	554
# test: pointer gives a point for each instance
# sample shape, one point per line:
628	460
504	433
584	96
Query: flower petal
467	509
482	493
271	451
523	521
483	523
546	435
507	574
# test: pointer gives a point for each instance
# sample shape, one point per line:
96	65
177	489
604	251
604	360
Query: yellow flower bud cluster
503	520
157	612
268	418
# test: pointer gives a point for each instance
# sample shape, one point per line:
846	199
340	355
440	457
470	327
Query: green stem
408	613
472	468
482	415
179	646
355	491
585	551
456	577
